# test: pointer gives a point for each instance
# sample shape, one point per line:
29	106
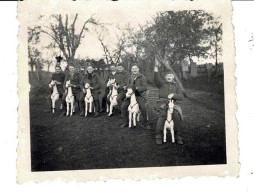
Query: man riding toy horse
138	83
75	79
168	90
94	82
57	79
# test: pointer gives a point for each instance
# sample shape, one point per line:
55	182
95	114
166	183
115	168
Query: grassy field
72	143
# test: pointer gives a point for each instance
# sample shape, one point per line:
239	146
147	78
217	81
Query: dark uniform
59	77
121	80
95	82
140	84
75	79
166	88
104	97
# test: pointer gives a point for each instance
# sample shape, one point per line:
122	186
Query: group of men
167	89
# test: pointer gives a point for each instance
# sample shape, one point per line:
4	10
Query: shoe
63	114
124	125
158	141
102	110
180	142
147	126
82	113
96	114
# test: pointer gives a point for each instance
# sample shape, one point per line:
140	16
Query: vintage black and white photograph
126	88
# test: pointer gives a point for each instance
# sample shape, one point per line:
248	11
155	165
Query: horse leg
107	107
86	109
71	109
165	133
130	115
61	106
134	119
172	134
53	105
67	112
110	109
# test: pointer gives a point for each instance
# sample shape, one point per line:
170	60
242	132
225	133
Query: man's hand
58	83
116	87
91	87
124	87
84	90
156	69
170	96
136	88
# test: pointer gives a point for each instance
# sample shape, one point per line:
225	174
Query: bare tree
64	34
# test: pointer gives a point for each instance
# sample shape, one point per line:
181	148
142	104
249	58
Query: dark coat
122	79
60	78
75	80
166	88
140	83
94	81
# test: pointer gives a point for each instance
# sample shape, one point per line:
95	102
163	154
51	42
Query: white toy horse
112	96
70	100
169	123
133	108
88	99
54	95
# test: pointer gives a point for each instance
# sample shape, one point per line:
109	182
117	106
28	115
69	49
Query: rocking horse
88	99
70	100
112	96
54	95
134	112
169	123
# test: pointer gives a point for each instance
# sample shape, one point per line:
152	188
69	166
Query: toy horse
88	99
169	123
133	108
54	95
70	100
112	96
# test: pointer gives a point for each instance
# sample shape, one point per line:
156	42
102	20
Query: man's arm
143	86
157	80
179	94
98	82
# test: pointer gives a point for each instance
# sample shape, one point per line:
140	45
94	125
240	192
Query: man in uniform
59	77
95	83
169	89
139	83
75	79
112	75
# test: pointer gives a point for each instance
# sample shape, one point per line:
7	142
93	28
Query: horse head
87	86
130	91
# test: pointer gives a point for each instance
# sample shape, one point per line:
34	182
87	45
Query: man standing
95	84
168	90
75	79
139	83
112	75
59	77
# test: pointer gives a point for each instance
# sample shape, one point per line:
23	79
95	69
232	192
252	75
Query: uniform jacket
75	80
94	81
122	79
140	83
60	78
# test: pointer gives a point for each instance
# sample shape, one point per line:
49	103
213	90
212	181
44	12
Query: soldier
139	83
112	75
75	78
122	77
58	76
95	83
168	90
